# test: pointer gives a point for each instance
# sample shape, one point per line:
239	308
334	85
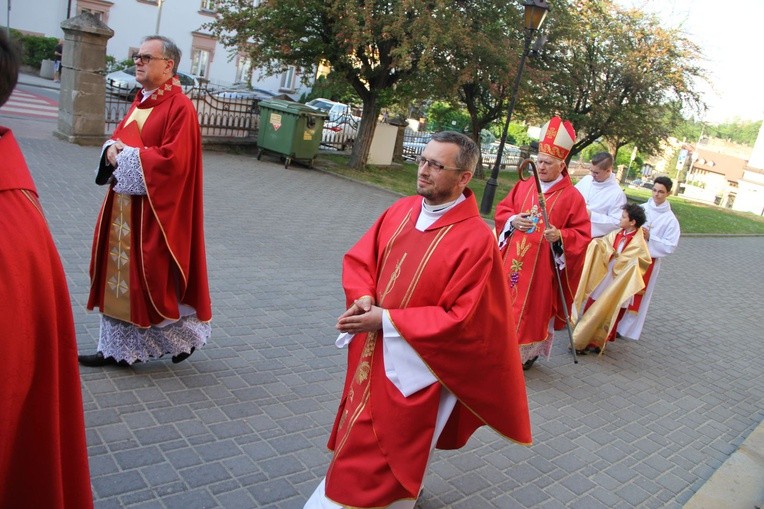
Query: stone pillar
82	103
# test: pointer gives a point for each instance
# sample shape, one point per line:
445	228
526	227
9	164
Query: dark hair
667	182
169	50
603	159
469	152
635	213
10	60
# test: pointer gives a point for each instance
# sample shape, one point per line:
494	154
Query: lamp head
535	13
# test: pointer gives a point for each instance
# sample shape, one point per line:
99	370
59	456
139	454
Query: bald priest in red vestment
432	354
148	267
43	454
526	241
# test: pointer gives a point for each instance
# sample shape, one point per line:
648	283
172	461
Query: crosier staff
542	206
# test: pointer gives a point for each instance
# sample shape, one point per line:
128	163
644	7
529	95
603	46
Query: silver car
123	84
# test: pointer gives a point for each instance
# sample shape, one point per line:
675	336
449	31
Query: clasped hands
113	150
523	223
361	316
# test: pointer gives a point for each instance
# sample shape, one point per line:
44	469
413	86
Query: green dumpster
291	130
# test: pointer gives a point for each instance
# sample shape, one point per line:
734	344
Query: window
243	69
288	78
209	5
202	54
98	8
200	62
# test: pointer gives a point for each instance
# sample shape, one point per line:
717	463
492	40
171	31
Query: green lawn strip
693	217
696	217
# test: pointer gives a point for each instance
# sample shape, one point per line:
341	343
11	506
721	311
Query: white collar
660	209
546	186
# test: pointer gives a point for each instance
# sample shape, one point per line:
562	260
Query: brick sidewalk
244	422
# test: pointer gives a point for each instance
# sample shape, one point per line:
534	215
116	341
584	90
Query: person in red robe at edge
43	454
525	242
148	267
432	354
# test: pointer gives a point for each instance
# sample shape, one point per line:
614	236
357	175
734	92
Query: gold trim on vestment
116	295
395	235
35	202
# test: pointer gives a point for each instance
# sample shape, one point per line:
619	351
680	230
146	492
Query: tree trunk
368	124
476	128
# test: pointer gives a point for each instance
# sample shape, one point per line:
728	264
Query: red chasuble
148	251
528	259
445	294
43	455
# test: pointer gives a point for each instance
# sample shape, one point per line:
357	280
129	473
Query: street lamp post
535	12
159	15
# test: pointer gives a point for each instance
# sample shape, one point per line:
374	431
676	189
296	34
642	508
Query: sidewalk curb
739	482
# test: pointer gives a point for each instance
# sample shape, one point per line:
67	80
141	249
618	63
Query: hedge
35	48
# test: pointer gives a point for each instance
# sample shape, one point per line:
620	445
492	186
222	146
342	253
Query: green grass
693	217
402	179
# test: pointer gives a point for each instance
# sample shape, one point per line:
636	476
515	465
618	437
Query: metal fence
340	133
218	117
414	143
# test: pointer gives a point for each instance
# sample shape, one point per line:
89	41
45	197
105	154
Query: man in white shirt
604	197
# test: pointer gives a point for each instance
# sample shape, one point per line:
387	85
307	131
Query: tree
479	68
617	74
374	45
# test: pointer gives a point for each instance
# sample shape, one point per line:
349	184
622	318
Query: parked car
414	143
639	183
123	84
256	94
333	109
510	156
341	127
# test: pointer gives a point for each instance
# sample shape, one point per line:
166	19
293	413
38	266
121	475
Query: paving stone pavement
243	423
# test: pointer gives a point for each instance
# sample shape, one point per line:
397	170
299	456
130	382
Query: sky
731	37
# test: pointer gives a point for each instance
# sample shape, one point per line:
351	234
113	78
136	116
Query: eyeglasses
145	59
421	161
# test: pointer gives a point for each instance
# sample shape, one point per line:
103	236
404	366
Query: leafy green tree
374	45
617	74
333	87
479	70
442	116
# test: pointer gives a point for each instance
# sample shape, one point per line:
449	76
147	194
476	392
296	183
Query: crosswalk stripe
30	105
34	106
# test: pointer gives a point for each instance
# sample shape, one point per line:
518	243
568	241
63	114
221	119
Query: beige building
727	175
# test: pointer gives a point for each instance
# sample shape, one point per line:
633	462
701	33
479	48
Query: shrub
113	65
35	48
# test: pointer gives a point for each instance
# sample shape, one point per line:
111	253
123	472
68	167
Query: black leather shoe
182	356
96	360
527	364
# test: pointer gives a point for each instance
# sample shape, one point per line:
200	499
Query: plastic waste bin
291	130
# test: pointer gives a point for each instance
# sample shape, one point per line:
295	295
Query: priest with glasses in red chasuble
526	243
432	353
148	267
